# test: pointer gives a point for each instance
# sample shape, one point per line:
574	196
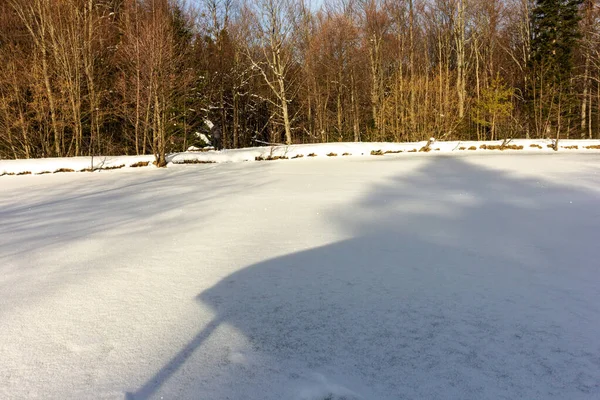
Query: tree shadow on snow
146	205
456	281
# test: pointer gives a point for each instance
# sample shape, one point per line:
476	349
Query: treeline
81	77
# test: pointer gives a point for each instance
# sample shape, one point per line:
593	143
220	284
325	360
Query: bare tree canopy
85	77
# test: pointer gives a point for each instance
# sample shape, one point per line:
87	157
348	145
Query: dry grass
346	154
572	147
270	158
24	173
593	147
500	147
64	170
513	147
376	152
298	156
332	154
114	167
43	173
195	161
472	148
412	151
140	164
393	151
462	148
537	146
312	155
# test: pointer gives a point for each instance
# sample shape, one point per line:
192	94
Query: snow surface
464	276
293	153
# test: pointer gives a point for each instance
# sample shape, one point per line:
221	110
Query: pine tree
555	30
555	34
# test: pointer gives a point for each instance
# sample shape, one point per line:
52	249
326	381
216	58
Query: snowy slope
465	276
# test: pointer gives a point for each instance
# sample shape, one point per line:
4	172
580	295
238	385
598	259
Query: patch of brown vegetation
270	158
298	156
500	147
114	167
332	154
346	154
312	155
376	152
195	161
24	173
462	148
513	147
140	164
43	173
472	148
573	147
64	170
412	151
592	147
393	151
537	146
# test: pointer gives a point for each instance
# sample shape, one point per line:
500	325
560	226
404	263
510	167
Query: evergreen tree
555	31
555	34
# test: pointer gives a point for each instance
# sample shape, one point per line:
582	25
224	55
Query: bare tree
271	55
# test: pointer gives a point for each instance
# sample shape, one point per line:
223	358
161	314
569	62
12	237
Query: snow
295	153
465	275
50	165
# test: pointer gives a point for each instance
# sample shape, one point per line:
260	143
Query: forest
86	77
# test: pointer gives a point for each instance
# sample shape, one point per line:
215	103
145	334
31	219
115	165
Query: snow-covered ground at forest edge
464	275
294	152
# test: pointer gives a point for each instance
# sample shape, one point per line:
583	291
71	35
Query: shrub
512	147
500	147
195	161
270	158
140	164
114	167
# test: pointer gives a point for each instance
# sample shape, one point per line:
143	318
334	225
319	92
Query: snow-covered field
470	275
294	152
